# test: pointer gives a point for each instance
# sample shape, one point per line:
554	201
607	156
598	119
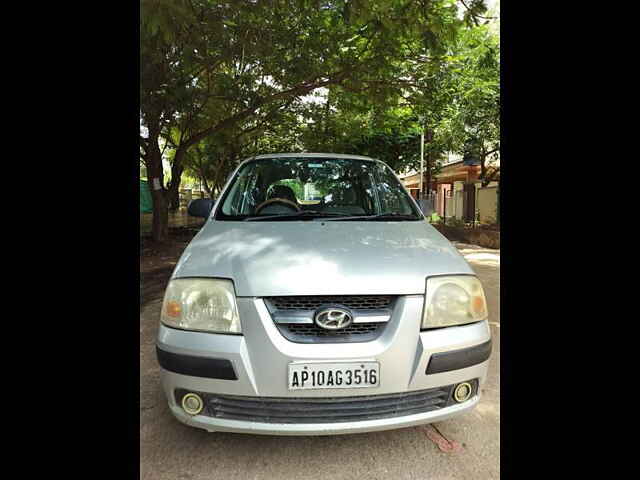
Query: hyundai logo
333	318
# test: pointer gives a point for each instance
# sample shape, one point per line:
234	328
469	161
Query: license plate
305	376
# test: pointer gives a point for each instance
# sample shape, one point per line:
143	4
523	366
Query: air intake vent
354	302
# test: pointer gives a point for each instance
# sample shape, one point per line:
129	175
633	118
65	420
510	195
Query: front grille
311	333
312	302
306	329
324	410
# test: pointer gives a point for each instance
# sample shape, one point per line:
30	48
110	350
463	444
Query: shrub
434	218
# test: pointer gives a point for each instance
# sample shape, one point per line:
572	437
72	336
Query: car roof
310	155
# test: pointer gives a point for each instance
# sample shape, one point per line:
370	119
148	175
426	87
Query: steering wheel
284	201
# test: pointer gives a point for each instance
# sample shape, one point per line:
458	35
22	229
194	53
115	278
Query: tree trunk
205	184
174	185
429	138
484	177
173	195
160	223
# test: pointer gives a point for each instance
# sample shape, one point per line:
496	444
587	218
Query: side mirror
200	207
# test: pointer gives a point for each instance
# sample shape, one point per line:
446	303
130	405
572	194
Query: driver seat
282	191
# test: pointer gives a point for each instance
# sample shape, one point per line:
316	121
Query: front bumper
258	360
235	426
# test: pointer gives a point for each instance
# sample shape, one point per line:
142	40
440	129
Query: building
456	191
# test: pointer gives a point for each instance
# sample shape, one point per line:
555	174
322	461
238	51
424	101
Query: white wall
487	203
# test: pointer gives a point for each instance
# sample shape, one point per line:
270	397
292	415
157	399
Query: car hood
321	258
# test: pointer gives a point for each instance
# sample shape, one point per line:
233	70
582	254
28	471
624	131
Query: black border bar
457	359
204	367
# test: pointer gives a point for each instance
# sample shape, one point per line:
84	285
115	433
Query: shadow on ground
153	284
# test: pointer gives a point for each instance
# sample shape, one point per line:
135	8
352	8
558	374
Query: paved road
170	450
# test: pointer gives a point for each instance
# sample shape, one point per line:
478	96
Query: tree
471	122
215	157
207	67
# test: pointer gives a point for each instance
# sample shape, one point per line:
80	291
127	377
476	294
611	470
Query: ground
176	219
460	448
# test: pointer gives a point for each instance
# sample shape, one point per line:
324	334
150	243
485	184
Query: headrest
282	191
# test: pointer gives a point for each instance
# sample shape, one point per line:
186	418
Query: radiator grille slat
353	329
312	302
304	409
325	410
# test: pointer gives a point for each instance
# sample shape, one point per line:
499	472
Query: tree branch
475	15
298	90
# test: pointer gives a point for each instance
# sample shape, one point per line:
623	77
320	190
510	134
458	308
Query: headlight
204	304
454	300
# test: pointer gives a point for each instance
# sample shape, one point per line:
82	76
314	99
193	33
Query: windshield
307	188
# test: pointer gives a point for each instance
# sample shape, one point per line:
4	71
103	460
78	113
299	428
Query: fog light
192	403
462	392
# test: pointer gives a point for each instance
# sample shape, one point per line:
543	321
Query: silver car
315	300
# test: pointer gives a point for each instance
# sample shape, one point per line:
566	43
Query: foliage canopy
224	80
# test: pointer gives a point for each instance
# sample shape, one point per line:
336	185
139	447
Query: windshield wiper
380	216
303	213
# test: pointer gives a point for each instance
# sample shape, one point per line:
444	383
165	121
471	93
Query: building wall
451	206
458	194
487	204
443	190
